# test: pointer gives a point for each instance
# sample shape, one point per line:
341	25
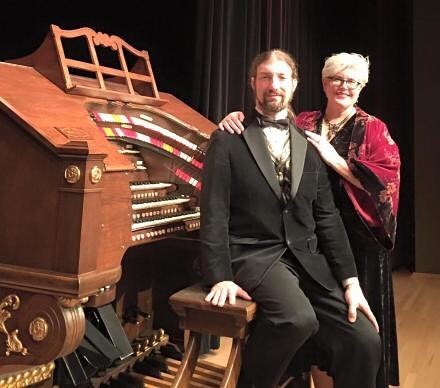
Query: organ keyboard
159	203
95	164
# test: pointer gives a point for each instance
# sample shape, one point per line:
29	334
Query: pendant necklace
333	129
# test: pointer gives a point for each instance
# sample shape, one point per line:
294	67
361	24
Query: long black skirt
375	276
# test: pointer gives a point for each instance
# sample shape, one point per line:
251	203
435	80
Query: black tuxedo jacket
245	224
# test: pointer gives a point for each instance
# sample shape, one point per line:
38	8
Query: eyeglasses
351	83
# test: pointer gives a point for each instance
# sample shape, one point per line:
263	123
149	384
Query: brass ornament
31	376
72	174
95	174
38	329
13	343
160	334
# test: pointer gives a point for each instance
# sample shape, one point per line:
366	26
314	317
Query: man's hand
226	290
356	300
232	122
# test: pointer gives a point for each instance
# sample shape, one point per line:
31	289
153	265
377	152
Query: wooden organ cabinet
100	179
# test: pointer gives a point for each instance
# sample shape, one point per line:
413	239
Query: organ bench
199	317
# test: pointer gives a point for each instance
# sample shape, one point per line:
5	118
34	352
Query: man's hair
273	54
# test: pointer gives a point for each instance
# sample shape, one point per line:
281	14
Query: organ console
100	184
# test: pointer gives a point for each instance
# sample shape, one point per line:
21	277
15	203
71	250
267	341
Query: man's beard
269	105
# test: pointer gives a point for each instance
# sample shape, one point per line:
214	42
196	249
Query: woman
364	171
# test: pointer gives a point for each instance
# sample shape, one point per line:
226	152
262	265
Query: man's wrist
354	281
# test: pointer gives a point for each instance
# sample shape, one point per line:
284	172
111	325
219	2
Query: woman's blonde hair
342	61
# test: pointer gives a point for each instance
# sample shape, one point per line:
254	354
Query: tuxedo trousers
293	310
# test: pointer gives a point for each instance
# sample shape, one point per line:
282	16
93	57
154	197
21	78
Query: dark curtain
392	101
230	33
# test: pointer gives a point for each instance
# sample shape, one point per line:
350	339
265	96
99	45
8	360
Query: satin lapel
254	138
298	148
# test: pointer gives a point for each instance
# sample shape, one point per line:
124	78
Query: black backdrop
201	49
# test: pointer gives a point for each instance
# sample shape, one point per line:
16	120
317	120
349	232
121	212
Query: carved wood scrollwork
13	343
38	328
103	39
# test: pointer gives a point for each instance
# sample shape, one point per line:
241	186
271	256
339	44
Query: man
270	232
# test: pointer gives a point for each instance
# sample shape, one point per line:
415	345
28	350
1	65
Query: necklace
333	129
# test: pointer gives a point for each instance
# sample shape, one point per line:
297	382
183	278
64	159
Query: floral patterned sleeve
374	159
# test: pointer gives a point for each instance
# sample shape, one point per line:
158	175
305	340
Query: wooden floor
418	327
417	299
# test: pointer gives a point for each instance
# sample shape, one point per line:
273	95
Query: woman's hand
332	158
226	290
232	122
325	149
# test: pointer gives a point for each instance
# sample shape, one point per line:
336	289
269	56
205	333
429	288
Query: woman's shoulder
307	120
376	131
369	119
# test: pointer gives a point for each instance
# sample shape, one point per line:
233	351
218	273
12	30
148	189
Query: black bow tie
280	123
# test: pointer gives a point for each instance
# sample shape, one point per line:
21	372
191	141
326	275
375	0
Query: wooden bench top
198	315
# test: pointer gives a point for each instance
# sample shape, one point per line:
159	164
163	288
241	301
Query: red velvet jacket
373	158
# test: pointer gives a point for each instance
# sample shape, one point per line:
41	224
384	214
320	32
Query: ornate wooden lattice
121	84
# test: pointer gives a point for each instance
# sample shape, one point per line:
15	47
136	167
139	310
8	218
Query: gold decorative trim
160	335
13	343
95	174
38	329
71	303
28	377
72	174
